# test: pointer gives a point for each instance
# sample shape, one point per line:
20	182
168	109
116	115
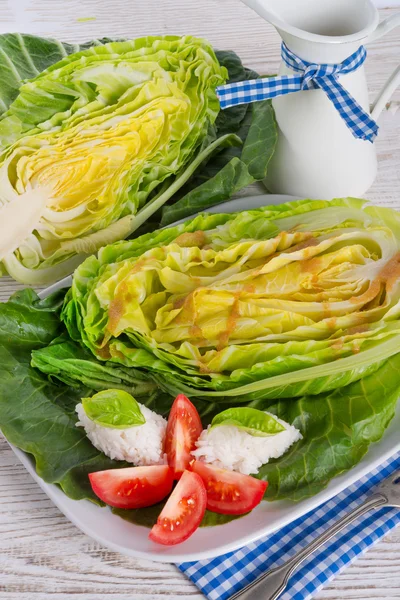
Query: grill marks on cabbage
253	294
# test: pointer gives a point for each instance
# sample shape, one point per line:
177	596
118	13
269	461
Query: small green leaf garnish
256	422
113	408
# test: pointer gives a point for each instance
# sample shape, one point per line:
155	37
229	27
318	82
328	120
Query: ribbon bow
311	76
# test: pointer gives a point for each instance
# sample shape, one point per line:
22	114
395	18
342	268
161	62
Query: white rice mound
141	445
229	447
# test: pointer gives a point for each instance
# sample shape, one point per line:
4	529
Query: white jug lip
295	31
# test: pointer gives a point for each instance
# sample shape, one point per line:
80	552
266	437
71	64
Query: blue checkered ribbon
220	577
311	76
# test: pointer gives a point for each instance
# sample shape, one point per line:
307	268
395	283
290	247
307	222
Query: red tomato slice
183	511
183	430
228	492
134	487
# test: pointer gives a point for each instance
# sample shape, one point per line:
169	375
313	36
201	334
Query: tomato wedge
183	511
183	430
228	492
133	487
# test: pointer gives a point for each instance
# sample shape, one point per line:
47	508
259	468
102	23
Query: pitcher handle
394	80
384	95
384	27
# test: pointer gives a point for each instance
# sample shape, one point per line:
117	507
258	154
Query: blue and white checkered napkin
220	577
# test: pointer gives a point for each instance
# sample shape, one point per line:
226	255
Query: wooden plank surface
44	556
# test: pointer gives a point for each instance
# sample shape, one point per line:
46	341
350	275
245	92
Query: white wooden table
44	556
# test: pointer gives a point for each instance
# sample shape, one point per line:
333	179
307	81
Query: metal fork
271	584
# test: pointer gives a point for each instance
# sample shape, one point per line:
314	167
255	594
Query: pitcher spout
308	26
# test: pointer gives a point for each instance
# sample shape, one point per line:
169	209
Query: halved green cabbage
96	143
279	302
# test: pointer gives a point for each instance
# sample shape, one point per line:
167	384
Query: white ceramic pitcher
317	155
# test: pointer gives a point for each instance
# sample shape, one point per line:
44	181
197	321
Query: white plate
132	540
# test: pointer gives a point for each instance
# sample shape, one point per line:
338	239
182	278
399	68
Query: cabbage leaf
280	302
95	139
23	56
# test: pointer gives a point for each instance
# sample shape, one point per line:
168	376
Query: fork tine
389	488
395	475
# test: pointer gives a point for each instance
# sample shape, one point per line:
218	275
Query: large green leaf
337	429
26	322
38	417
232	170
35	414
